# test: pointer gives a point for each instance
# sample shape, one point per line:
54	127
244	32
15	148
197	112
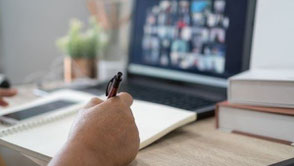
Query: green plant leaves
78	44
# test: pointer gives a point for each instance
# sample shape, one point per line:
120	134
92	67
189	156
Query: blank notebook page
43	141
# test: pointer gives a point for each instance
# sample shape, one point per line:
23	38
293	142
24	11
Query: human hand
104	133
6	93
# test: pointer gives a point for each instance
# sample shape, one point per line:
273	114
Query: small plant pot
75	68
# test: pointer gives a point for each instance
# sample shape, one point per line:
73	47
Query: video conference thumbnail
186	35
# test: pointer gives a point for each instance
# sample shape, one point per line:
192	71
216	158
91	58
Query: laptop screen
189	40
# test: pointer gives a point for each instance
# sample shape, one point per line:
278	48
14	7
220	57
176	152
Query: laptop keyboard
167	97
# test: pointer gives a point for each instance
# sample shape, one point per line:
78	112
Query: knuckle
129	96
126	95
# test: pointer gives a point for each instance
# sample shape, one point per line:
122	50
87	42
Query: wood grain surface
200	144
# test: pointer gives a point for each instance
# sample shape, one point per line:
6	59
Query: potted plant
81	49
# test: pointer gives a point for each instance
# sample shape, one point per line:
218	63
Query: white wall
28	31
273	45
1	41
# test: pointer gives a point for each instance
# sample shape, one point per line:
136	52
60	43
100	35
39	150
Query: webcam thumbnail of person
186	34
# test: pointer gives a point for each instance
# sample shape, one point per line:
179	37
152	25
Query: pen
113	85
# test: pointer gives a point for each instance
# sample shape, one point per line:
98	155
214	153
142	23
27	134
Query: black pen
113	85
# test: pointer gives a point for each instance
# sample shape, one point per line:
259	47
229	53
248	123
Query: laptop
182	51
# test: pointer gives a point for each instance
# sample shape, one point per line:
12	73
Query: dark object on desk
13	118
289	162
4	83
113	85
200	100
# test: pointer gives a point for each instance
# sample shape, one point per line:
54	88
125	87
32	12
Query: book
260	87
289	162
275	124
42	136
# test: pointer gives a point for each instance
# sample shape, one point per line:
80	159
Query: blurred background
33	35
29	30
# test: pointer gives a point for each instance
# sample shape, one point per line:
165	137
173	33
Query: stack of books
260	104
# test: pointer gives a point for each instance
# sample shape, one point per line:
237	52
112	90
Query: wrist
87	154
76	153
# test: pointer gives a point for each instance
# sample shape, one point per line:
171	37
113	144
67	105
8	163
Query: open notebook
42	136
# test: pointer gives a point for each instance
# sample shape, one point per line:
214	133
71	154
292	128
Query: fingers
126	98
7	92
93	102
3	103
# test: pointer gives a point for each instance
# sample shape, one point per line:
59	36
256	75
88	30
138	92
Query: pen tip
119	75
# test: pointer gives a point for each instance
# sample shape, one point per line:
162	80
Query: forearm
77	154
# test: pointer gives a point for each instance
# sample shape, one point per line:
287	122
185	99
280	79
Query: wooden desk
200	144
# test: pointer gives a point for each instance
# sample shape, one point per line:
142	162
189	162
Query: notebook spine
33	123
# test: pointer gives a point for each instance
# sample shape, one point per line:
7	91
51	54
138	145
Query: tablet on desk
26	113
44	107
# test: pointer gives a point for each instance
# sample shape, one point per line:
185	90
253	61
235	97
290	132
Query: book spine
263	137
217	115
229	91
250	108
